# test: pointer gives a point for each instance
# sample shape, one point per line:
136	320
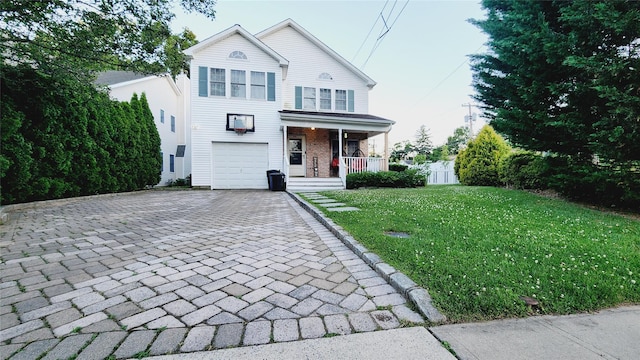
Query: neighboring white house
169	103
279	99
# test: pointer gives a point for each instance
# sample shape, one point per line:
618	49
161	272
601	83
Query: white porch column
386	151
342	172
285	150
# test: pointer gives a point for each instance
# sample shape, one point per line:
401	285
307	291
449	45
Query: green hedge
64	138
397	167
390	179
524	170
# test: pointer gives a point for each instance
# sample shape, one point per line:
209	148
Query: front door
297	155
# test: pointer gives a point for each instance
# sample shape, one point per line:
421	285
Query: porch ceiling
373	125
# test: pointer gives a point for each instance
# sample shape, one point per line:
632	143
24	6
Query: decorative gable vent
325	76
238	55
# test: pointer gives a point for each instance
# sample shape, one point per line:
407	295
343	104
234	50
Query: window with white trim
309	98
258	85
238	84
161	116
173	123
217	82
325	76
341	100
325	99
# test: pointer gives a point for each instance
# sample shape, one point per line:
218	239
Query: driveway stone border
402	283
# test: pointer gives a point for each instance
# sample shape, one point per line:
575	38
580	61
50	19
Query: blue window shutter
350	101
202	81
298	97
271	86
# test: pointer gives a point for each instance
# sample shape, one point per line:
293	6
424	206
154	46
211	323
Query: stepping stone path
327	202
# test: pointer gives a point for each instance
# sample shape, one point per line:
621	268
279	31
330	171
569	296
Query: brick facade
318	145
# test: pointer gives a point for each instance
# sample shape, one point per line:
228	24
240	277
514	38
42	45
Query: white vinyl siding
301	72
209	114
217	84
258	85
238	84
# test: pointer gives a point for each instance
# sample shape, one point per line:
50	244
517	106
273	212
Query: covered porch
320	145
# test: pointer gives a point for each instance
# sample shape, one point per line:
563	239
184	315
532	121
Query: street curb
402	283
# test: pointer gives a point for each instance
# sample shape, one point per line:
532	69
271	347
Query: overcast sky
420	65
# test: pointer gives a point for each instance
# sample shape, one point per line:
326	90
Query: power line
446	78
384	31
370	30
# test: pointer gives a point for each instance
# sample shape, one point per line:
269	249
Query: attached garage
240	165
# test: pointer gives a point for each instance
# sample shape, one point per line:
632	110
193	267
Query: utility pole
469	118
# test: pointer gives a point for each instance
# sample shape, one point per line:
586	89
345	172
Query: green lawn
477	249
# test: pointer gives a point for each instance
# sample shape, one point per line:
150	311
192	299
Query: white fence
442	173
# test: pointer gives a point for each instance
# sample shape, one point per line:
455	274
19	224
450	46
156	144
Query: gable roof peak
302	31
236	30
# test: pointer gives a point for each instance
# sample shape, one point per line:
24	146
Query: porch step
299	184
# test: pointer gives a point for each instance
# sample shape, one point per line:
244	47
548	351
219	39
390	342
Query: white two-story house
282	100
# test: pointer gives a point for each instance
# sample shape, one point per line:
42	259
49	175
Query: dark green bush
390	179
63	138
397	167
523	170
603	184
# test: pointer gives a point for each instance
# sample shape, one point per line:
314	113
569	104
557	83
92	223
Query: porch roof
327	120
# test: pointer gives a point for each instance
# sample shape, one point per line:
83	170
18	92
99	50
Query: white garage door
240	166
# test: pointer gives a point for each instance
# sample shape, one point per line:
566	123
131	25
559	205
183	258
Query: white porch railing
362	164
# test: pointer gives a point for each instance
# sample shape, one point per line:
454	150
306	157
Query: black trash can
277	181
269	173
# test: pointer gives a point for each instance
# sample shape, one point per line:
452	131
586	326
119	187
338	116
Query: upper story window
214	82
173	123
325	99
217	82
238	55
325	76
161	116
238	84
309	98
258	85
341	100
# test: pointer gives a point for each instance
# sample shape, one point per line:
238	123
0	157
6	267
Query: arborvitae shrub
478	163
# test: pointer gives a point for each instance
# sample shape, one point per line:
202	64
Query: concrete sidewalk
608	334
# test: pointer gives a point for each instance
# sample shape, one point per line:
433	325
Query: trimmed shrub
397	167
478	163
523	170
390	179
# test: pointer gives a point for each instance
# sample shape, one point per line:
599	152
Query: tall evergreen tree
562	77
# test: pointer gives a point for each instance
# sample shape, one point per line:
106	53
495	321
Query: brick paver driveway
160	272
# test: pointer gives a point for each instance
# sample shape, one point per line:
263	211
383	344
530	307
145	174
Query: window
172	159
173	123
325	99
238	55
341	100
238	84
310	98
217	82
161	116
161	161
325	76
258	85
